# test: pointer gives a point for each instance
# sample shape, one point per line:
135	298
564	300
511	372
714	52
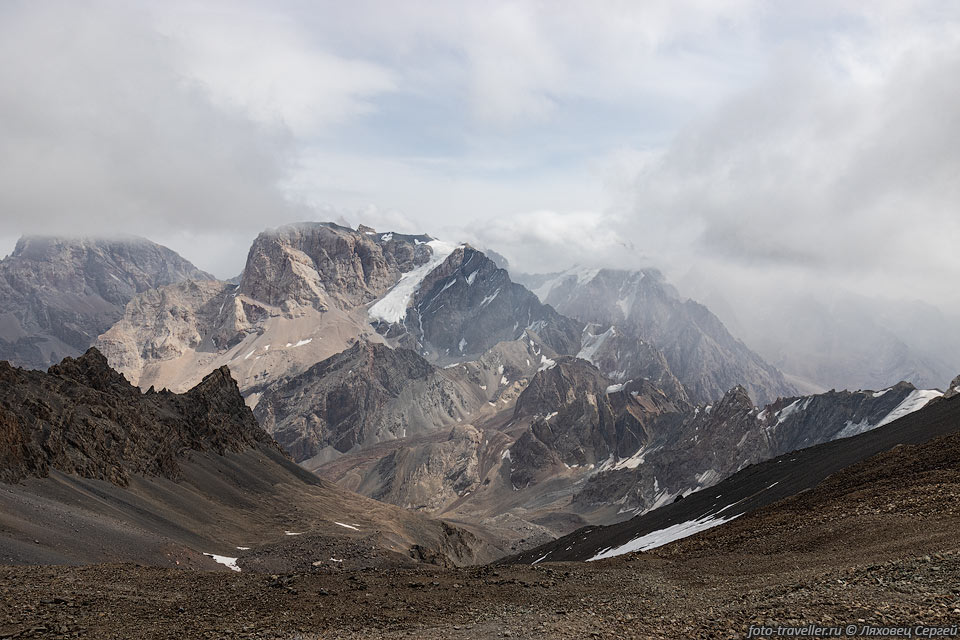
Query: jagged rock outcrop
162	478
84	418
364	395
830	495
58	294
953	389
578	418
700	351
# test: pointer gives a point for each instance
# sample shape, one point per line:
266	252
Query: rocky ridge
838	471
467	305
601	450
364	395
83	418
698	448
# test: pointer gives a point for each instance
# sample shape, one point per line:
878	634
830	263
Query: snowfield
392	308
224	560
659	538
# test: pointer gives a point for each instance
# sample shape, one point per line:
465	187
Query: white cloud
102	133
551	241
266	64
809	138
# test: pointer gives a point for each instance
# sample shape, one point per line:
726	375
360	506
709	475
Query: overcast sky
746	143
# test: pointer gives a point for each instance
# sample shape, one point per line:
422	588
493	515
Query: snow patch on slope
224	560
661	537
546	363
590	344
392	307
913	402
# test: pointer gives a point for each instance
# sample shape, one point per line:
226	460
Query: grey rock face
58	294
624	358
953	389
361	396
429	476
578	418
300	299
700	351
467	305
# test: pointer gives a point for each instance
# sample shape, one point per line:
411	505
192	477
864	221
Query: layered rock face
324	265
57	295
311	290
364	395
700	351
162	324
578	418
84	418
626	358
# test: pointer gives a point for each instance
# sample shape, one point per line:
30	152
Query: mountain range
360	404
418	373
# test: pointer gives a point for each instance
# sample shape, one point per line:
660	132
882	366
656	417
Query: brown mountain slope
95	471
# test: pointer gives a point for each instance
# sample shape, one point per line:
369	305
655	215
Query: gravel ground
638	596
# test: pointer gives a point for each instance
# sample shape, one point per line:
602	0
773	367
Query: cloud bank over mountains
757	146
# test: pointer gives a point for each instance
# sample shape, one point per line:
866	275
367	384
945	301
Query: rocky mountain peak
467	305
114	268
325	264
699	350
735	400
92	370
558	384
577	418
83	418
